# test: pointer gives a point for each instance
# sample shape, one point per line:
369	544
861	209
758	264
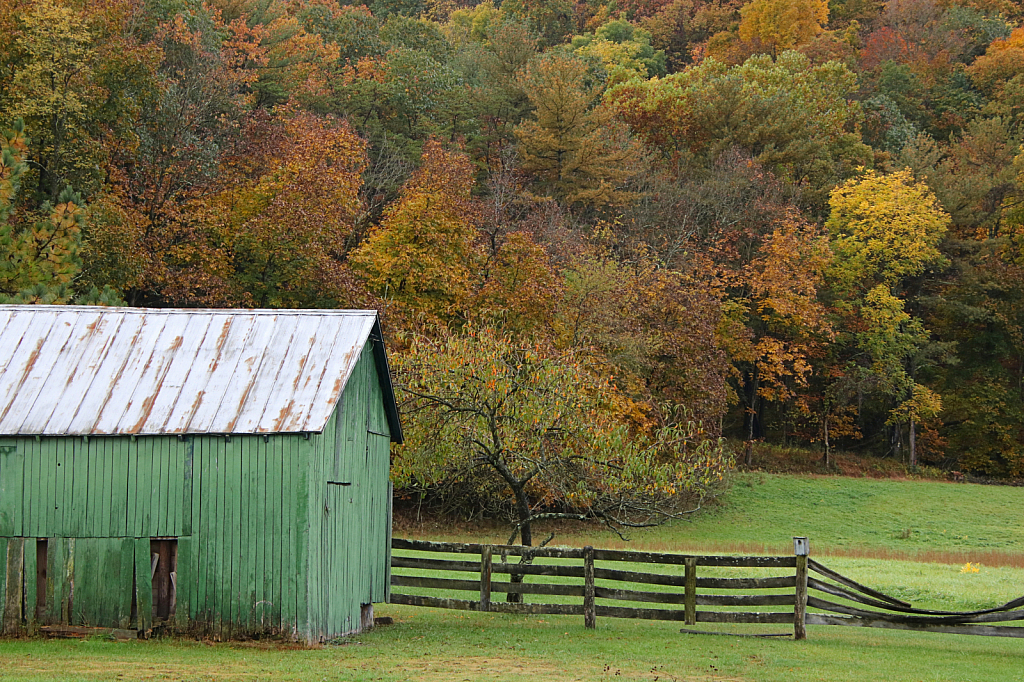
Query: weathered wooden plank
204	520
746	600
852	584
641	614
251	542
53	449
78	523
216	593
183	583
637	577
473	566
12	490
263	607
966	629
273	558
188	483
13	586
496	550
633	595
235	575
702	560
101	485
32	497
31	584
473	586
500	607
800	604
50	612
125	582
993	617
485	579
133	521
434	564
119	469
589	604
296	533
3	581
143	587
690	598
743	617
72	631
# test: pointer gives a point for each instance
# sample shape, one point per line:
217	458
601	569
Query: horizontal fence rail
570	576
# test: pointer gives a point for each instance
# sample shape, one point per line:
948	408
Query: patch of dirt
485	668
474	668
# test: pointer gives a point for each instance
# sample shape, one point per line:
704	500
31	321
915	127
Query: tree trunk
913	444
827	461
751	419
525	537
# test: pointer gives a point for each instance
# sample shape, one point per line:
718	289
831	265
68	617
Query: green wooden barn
223	472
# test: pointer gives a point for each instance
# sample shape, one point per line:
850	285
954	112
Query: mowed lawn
856	526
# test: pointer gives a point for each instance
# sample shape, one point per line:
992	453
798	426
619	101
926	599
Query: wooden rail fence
576	575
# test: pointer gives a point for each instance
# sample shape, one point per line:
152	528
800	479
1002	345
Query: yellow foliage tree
423	254
885	230
783	24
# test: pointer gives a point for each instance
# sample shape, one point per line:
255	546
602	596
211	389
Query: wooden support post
690	597
589	605
485	578
801	548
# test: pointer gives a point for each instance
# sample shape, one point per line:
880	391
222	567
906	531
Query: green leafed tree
576	147
886	230
529	433
39	249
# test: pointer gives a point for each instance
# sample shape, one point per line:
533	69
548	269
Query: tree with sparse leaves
539	437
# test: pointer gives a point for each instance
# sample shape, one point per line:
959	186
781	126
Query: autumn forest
636	225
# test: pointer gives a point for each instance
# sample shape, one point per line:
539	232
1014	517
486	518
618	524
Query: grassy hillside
886	518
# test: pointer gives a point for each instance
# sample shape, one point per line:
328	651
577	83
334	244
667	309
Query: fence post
690	597
801	548
589	606
485	578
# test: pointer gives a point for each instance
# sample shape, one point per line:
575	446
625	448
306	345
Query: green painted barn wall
348	507
281	533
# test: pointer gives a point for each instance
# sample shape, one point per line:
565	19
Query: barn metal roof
86	370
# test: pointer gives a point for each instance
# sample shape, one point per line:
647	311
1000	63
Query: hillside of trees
790	221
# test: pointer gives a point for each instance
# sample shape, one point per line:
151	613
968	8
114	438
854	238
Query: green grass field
844	516
866	529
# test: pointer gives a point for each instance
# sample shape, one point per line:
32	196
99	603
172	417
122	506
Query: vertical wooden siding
276	533
348	563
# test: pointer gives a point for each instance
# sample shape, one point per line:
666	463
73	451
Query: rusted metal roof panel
82	370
